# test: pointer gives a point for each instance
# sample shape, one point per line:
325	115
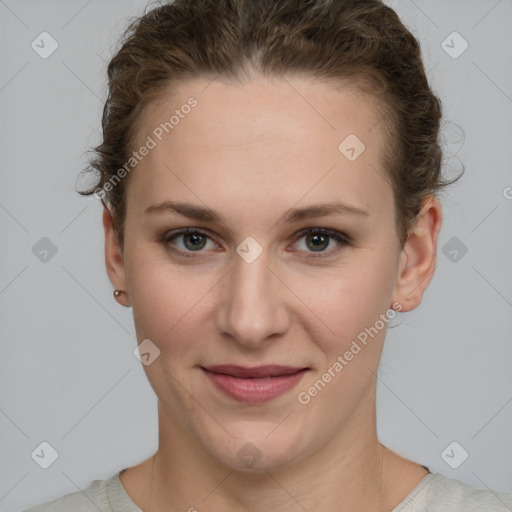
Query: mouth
254	385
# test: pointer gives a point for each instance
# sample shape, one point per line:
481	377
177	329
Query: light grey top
435	493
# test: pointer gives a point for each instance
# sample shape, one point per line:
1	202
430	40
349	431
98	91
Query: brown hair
360	42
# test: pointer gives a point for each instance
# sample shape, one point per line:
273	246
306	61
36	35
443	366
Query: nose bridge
252	309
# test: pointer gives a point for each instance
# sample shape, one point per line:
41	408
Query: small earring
117	293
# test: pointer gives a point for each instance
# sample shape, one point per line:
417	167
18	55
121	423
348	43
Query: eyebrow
206	214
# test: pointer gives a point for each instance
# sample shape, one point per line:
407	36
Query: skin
252	152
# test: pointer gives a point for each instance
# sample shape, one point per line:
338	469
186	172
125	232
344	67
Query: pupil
195	241
319	241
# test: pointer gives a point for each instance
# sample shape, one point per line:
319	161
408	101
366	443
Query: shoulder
450	493
442	494
93	498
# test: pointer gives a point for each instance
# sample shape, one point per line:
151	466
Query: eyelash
341	238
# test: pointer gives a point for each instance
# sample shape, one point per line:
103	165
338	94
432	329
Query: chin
253	450
250	459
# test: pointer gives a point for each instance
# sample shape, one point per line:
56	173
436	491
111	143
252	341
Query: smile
254	385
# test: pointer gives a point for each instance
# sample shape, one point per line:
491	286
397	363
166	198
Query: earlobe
418	257
114	260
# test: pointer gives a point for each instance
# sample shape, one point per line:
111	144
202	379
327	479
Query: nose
252	308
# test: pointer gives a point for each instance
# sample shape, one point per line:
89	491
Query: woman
269	174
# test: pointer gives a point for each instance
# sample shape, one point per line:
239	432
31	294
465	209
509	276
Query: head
241	120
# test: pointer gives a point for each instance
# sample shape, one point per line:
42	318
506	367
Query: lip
254	385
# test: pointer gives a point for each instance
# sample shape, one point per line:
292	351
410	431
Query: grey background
68	373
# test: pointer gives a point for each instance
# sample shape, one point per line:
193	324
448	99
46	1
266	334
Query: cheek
155	292
169	302
350	302
351	297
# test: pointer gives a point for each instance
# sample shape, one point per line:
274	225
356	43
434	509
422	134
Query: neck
351	471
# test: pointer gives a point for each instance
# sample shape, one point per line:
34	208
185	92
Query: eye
188	240
321	240
324	242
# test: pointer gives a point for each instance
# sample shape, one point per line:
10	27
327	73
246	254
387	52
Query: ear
418	257
114	259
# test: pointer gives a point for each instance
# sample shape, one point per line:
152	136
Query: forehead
274	139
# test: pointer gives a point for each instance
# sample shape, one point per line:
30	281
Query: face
291	258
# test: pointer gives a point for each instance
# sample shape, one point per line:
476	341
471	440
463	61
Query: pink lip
254	385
